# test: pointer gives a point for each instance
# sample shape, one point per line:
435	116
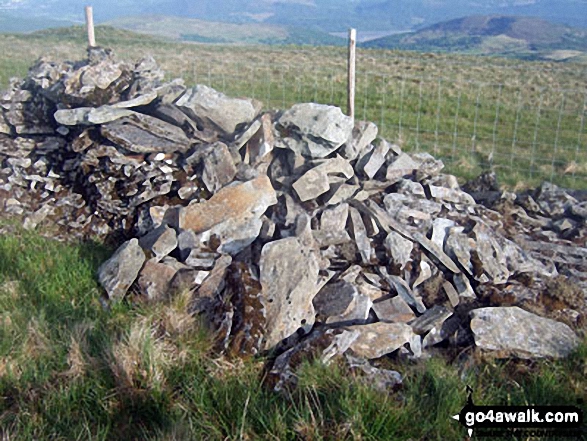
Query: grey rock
451	293
360	236
289	277
159	242
325	238
72	117
106	114
334	219
378	339
363	134
316	181
219	169
393	310
216	111
424	274
398	248
155	279
403	166
513	331
432	318
144	134
335	298
451	195
463	287
341	193
374	160
316	130
458	247
118	273
440	228
139	100
201	260
490	264
357	312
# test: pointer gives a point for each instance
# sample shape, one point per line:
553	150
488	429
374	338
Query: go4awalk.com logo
523	421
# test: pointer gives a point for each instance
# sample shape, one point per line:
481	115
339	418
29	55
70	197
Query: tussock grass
71	370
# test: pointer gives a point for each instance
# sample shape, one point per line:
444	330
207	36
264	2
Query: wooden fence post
90	26
351	73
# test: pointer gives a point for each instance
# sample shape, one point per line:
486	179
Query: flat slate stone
145	134
513	331
216	111
378	339
120	271
289	277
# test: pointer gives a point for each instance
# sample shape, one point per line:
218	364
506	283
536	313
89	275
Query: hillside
525	37
191	29
323	15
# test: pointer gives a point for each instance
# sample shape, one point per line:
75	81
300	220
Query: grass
525	120
69	369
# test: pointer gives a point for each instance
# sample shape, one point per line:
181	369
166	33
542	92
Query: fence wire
524	126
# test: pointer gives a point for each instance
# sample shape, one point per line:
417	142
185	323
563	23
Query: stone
356	314
393	310
314	130
215	111
378	339
334	298
514	332
72	117
315	181
159	242
326	238
218	166
451	195
139	100
489	261
375	160
33	220
249	322
340	193
398	248
289	277
106	114
440	228
334	219
118	273
458	247
363	134
403	166
141	133
201	260
360	236
155	279
209	291
432	318
424	275
451	293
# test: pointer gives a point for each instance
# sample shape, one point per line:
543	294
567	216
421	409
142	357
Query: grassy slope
512	36
524	119
71	370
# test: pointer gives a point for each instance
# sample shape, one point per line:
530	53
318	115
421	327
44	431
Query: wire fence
523	126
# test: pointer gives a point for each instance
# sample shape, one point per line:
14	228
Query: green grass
71	370
525	120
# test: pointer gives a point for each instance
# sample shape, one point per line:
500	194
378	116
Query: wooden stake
351	73
90	26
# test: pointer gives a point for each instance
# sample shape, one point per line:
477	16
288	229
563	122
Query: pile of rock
298	232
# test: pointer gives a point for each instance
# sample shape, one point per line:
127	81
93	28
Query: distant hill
191	29
524	37
11	23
